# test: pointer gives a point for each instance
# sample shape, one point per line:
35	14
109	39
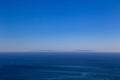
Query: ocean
59	66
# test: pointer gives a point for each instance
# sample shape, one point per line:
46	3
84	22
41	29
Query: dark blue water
59	66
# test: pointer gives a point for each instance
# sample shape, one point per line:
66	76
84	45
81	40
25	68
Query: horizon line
78	51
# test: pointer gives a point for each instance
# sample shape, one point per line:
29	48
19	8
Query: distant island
66	51
83	51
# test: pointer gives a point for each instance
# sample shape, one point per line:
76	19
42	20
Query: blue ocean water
59	66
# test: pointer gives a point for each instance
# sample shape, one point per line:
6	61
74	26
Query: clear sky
33	25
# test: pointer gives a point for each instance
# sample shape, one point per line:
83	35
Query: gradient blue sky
33	25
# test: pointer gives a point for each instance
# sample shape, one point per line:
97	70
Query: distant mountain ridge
83	51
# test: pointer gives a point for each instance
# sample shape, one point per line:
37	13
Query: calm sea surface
59	66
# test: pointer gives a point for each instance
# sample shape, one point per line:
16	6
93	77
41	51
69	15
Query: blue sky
33	25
